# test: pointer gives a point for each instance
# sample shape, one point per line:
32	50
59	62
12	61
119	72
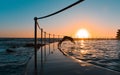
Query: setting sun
82	33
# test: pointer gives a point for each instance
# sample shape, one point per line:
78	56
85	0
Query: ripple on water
105	53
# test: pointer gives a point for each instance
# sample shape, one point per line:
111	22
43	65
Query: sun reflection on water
101	52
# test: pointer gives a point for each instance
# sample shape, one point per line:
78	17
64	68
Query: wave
104	53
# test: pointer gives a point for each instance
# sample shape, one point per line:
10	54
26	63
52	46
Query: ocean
103	53
14	63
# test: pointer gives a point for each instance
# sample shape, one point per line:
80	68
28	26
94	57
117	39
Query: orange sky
70	29
99	17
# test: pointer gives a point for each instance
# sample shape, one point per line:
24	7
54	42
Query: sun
82	33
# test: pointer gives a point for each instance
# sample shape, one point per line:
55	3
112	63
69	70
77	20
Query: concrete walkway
58	64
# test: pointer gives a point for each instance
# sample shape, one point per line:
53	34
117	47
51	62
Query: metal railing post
41	36
35	46
53	38
41	46
45	45
49	43
45	38
49	38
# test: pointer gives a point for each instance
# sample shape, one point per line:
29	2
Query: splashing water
105	53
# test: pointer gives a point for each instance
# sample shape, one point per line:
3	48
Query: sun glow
82	33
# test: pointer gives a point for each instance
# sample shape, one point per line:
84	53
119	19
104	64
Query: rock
10	50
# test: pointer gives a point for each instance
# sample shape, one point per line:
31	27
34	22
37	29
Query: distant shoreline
60	38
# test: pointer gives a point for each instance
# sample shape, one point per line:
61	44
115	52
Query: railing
45	33
46	38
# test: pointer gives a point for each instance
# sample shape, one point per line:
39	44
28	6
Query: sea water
14	63
104	53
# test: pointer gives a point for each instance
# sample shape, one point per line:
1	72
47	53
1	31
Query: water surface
104	53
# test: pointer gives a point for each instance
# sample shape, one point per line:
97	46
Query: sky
100	18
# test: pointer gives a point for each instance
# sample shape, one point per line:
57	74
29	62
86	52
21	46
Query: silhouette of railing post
49	38
35	46
49	43
41	36
45	38
53	38
45	45
41	44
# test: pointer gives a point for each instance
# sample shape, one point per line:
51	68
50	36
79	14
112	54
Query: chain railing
45	38
43	33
